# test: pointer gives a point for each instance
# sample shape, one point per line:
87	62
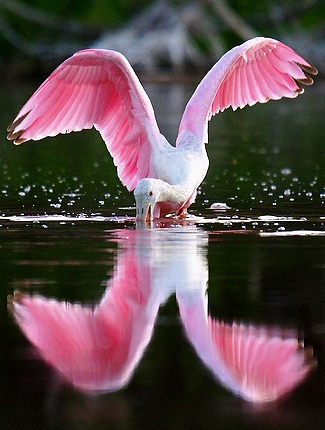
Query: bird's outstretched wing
256	71
95	88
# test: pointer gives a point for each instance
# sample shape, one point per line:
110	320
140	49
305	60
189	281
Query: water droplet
286	171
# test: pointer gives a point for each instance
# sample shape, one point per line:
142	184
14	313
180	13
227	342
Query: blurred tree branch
42	18
12	36
236	23
159	34
283	12
165	34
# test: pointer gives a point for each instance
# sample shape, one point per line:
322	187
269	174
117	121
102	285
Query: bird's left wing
256	71
95	88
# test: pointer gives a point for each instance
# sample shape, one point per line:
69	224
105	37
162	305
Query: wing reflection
97	349
258	364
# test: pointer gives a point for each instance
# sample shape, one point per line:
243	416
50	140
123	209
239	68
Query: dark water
199	324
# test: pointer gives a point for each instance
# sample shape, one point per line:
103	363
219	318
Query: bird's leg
182	213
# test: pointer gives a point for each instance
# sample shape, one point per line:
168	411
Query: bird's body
98	88
180	170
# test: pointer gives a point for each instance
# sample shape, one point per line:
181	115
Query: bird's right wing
95	88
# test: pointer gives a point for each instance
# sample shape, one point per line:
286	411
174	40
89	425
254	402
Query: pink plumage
262	365
259	364
98	88
94	88
259	70
94	349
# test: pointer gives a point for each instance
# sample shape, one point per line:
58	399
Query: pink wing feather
94	349
262	365
256	71
257	363
95	88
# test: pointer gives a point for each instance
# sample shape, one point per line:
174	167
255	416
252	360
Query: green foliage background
24	23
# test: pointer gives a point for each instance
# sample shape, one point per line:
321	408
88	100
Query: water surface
215	322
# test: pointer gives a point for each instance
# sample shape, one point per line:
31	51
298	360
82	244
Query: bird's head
146	195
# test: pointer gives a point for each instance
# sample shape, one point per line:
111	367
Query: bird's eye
150	193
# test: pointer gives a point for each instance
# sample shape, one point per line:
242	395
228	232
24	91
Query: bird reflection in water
97	349
259	364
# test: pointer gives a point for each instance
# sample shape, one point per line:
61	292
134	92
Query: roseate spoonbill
99	88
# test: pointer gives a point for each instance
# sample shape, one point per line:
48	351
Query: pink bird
99	88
